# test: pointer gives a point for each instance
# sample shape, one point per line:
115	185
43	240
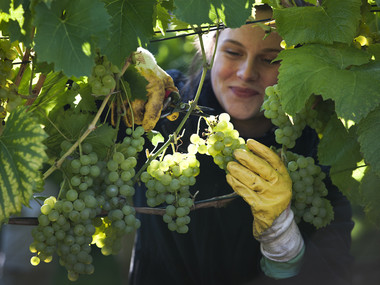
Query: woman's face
242	69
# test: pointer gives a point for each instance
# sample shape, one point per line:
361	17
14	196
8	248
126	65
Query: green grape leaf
338	145
339	73
163	18
66	34
132	26
18	23
5	5
71	124
339	148
369	135
87	101
328	23
167	4
155	137
233	13
22	154
102	138
53	93
371	195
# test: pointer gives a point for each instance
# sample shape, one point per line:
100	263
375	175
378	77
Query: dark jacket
219	248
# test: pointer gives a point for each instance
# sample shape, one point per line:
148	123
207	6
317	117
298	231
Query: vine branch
215	202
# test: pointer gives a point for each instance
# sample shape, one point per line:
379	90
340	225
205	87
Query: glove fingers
266	154
242	190
245	176
256	164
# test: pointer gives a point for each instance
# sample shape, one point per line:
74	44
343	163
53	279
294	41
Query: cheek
220	71
270	78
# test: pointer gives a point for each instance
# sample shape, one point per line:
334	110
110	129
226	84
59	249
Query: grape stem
91	127
173	137
215	202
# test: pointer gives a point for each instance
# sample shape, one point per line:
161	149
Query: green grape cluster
289	128
221	140
102	78
94	206
7	55
168	182
308	191
117	190
9	99
66	227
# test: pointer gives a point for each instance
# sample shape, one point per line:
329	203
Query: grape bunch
308	191
9	99
7	55
94	206
289	128
168	182
117	190
221	140
66	226
117	202
102	78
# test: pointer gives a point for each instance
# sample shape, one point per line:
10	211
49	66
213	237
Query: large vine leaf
5	5
132	26
370	191
328	23
339	148
22	154
67	34
369	136
18	23
163	18
233	13
53	93
340	73
70	125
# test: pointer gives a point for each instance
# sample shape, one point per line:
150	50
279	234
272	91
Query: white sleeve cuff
282	241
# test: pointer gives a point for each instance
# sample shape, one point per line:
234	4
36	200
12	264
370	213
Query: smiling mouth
242	92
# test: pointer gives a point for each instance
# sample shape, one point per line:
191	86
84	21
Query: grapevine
94	206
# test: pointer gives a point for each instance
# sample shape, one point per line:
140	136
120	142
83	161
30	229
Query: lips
244	92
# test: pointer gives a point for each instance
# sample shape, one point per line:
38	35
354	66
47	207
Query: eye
269	60
232	53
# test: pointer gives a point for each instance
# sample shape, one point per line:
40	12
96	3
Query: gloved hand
147	113
262	180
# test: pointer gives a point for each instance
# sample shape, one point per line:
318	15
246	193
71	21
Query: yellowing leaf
22	153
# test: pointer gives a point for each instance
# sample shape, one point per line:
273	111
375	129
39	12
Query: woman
219	247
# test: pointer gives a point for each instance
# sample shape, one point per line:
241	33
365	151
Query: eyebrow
240	44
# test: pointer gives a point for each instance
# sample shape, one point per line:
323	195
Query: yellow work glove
147	113
262	180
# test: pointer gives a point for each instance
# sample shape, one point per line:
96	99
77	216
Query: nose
248	70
